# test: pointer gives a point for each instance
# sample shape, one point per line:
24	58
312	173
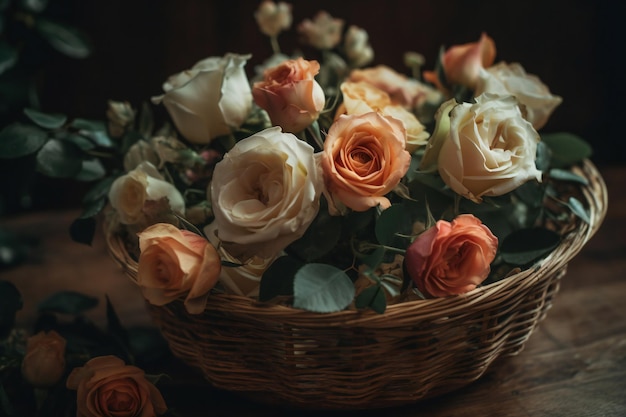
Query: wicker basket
355	360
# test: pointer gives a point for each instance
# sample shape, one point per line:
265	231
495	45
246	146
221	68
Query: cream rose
323	32
364	159
130	194
357	47
290	94
361	97
265	192
44	362
210	99
504	79
483	149
175	263
273	18
107	387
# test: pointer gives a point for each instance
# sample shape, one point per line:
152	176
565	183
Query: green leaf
94	130
372	297
36	6
18	140
92	169
374	258
567	149
322	288
393	220
543	157
59	159
45	120
83	229
99	190
319	239
63	38
278	278
525	246
67	302
8	56
579	209
565	175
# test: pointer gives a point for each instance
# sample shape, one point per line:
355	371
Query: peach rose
528	89
451	258
174	263
273	18
323	32
483	149
107	387
265	193
290	94
364	158
402	90
361	97
44	362
462	63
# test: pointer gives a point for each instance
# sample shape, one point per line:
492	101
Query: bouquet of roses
323	184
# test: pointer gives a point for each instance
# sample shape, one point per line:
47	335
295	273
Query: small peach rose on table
451	257
176	263
364	159
44	362
290	94
105	386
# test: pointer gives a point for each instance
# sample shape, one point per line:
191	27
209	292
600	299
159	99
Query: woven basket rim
595	194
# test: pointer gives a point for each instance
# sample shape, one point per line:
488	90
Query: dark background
573	45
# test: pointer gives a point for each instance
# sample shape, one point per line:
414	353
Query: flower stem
275	45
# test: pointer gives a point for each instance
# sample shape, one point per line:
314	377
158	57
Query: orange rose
44	362
451	258
290	94
462	63
107	387
361	97
176	262
364	158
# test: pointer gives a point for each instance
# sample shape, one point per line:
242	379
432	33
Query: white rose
358	49
530	91
210	99
265	192
483	149
273	18
130	193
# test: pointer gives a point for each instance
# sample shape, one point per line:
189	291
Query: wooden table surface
573	365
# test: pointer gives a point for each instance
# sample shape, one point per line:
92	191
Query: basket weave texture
361	359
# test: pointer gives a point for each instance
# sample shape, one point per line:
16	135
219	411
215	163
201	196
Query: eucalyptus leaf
36	6
63	38
525	246
92	169
59	159
543	157
393	220
374	258
45	120
322	288
565	175
319	239
8	56
67	302
18	140
99	190
372	297
579	209
567	149
278	278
